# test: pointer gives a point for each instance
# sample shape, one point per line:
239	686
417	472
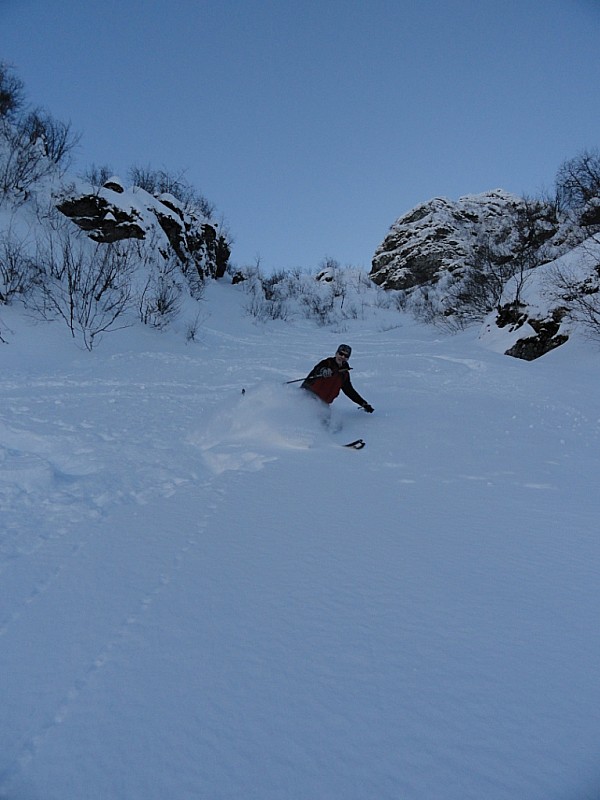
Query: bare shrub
354	311
30	150
275	286
424	306
160	299
12	95
85	284
482	287
97	176
157	182
56	138
500	262
578	180
17	271
264	310
22	162
192	329
577	290
319	307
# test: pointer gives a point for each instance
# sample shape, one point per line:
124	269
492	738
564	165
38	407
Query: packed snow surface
205	596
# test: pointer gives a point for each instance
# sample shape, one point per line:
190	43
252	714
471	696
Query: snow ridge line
33	742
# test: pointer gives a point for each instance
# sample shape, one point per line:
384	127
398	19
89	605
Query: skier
332	374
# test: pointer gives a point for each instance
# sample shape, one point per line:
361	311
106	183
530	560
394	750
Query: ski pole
297	380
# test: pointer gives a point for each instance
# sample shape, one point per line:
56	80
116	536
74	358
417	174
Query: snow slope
204	596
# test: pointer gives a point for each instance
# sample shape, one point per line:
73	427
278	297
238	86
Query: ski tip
358	444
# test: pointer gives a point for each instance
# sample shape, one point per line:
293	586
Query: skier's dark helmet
344	350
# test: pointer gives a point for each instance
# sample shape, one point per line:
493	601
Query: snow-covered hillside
205	596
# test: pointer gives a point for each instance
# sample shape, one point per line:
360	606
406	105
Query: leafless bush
578	180
158	182
56	138
31	149
319	307
423	305
354	311
263	310
192	328
97	176
582	300
87	285
17	272
500	261
12	96
483	284
22	162
160	300
274	286
577	290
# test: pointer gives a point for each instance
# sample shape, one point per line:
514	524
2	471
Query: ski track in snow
153	516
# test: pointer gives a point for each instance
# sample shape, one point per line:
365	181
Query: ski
358	444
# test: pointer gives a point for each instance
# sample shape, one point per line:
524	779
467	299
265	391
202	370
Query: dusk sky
313	125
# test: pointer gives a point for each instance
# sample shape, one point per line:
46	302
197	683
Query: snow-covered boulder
524	331
115	184
438	237
103	220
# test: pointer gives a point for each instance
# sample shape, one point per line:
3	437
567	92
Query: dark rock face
547	334
113	214
104	221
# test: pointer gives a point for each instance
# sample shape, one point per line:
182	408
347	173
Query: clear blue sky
312	125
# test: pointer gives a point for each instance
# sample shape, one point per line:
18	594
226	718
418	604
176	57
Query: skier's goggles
343	354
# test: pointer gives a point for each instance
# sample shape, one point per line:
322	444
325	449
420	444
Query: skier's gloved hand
368	408
326	372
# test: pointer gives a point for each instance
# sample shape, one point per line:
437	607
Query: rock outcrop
113	214
481	253
439	237
537	335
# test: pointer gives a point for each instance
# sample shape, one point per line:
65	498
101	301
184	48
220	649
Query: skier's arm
351	392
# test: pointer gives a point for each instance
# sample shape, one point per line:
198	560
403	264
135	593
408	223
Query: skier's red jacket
329	388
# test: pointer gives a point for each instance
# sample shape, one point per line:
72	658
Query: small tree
56	138
97	176
578	180
16	269
577	289
33	145
86	284
330	271
12	95
319	304
160	299
502	260
160	181
482	286
22	162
